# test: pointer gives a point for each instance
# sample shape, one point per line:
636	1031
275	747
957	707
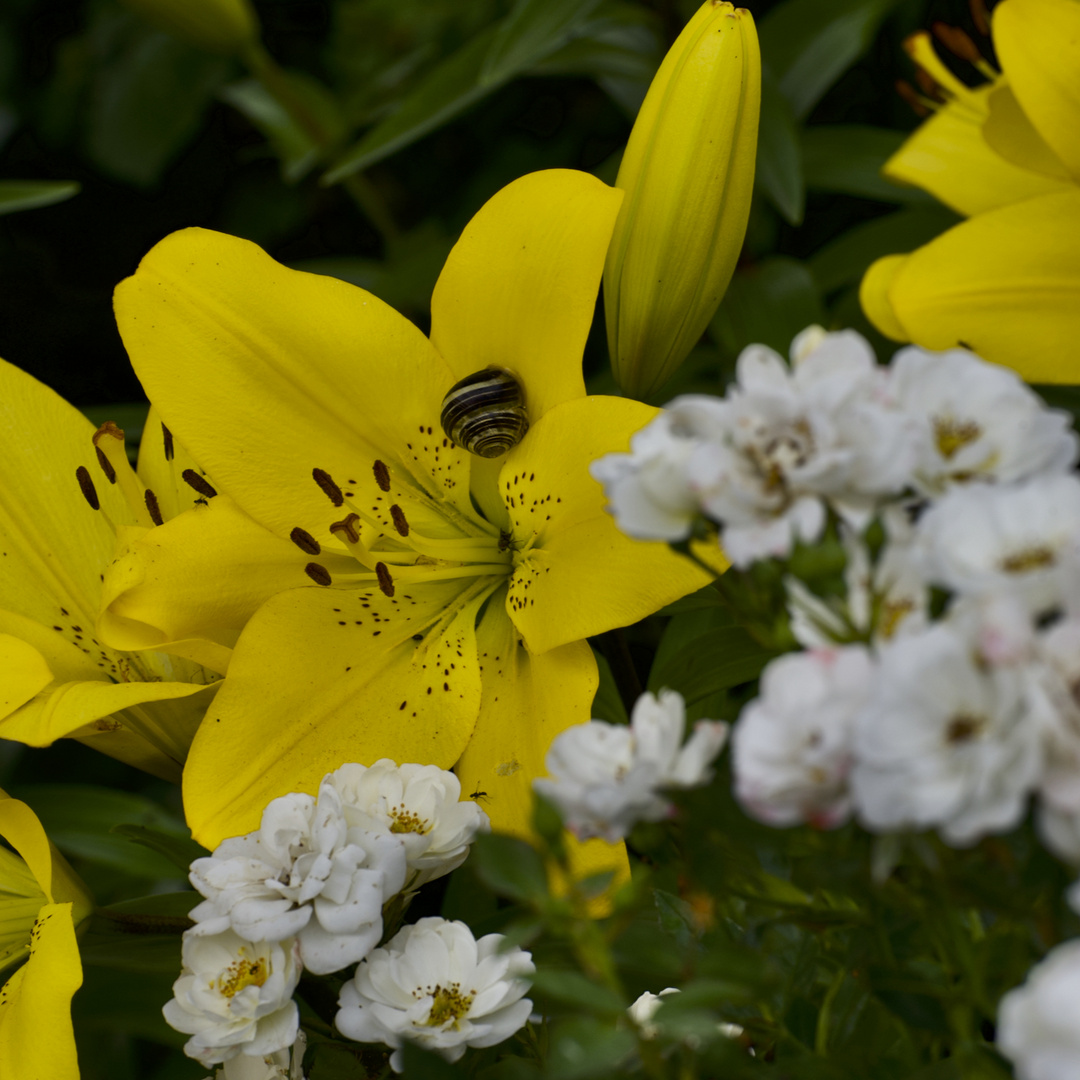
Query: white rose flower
977	421
281	1065
306	872
649	490
791	438
944	742
1038	1026
1022	539
882	599
434	984
645	1008
235	996
792	746
1058	681
420	805
607	777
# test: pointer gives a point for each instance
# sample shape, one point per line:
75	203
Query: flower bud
224	26
688	174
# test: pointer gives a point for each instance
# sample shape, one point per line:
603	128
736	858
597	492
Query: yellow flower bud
688	174
225	26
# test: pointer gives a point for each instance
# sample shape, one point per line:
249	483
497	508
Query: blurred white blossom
944	741
434	984
307	873
1021	539
280	1065
607	777
792	746
235	996
977	421
420	805
1038	1025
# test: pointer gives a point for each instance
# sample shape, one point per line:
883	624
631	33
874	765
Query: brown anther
199	483
88	489
980	16
912	97
152	507
386	582
957	42
106	464
319	574
382	475
305	541
400	523
928	85
330	489
348	527
166	436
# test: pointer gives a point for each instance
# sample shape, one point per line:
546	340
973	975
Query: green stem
821	1033
266	69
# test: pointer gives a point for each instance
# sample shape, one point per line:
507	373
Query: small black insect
477	795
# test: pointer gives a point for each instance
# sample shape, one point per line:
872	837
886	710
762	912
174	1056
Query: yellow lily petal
163	459
1038	45
1003	284
581	575
519	288
64	708
322	677
55	546
874	296
36	1037
265	373
21	898
950	156
20	827
202	574
1010	133
527	701
23	673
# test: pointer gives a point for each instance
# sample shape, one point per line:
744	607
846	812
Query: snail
484	413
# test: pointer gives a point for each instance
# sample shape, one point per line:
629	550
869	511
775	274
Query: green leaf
169	910
705	597
421	1064
608	704
767	303
585	1047
846	259
181	851
847	158
573	988
697	657
510	867
80	820
296	152
533	30
779	155
809	44
447	91
619	41
149	104
18	195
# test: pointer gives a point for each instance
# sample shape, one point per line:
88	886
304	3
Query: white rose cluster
903	719
604	778
307	890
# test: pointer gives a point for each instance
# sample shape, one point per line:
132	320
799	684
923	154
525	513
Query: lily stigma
1006	155
58	679
398	596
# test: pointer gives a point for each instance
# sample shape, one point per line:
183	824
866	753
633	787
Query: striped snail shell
484	413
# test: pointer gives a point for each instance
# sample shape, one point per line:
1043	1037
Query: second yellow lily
1005	283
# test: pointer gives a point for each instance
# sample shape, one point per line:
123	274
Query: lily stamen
199	483
108	443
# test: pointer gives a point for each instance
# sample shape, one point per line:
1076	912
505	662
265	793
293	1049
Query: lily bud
224	26
688	174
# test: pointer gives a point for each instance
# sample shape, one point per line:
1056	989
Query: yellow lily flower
1005	282
57	679
42	901
456	592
